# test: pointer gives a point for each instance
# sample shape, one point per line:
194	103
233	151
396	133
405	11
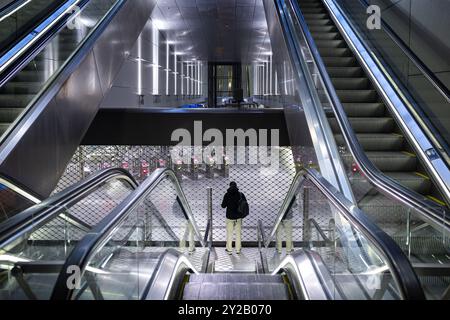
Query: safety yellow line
409	154
422	175
436	200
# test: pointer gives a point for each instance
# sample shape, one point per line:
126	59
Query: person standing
231	201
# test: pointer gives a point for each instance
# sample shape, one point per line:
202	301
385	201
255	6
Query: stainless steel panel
38	150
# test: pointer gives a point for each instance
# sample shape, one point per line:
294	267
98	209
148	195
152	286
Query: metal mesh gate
264	187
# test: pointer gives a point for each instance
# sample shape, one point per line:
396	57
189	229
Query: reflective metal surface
168	276
120	226
415	134
44	131
322	138
311	279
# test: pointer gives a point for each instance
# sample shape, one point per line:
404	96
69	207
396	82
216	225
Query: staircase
226	286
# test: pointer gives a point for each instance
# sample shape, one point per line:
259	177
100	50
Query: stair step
232	278
13	87
15	100
326	35
4	127
376	142
361	109
318	22
235	291
393	161
313	10
340	61
367	125
384	211
357	96
330	43
337	72
311	16
335	52
351	83
307	4
8	115
29	76
330	28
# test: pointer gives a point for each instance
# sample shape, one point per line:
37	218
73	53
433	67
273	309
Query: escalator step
330	43
326	36
8	115
335	52
29	76
376	142
367	125
311	16
4	127
351	83
357	96
319	22
336	72
340	61
376	109
236	291
329	28
313	10
393	161
15	100
232	278
13	87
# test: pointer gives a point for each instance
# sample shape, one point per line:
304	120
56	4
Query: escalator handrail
39	35
9	7
172	266
310	263
38	214
102	232
387	185
398	262
296	184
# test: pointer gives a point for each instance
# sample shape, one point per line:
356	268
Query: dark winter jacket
231	202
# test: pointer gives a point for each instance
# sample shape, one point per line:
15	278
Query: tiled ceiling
215	30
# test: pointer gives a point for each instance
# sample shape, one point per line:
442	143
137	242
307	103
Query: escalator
53	80
378	133
395	187
132	255
19	17
47	231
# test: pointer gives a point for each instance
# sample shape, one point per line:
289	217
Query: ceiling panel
214	30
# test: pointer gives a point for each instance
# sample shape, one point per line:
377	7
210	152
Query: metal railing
102	233
399	264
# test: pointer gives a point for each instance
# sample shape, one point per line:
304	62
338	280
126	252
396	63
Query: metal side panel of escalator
377	131
50	94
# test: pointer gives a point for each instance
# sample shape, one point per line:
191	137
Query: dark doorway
225	79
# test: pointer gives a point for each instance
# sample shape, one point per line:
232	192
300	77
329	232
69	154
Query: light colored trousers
188	231
286	226
234	226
